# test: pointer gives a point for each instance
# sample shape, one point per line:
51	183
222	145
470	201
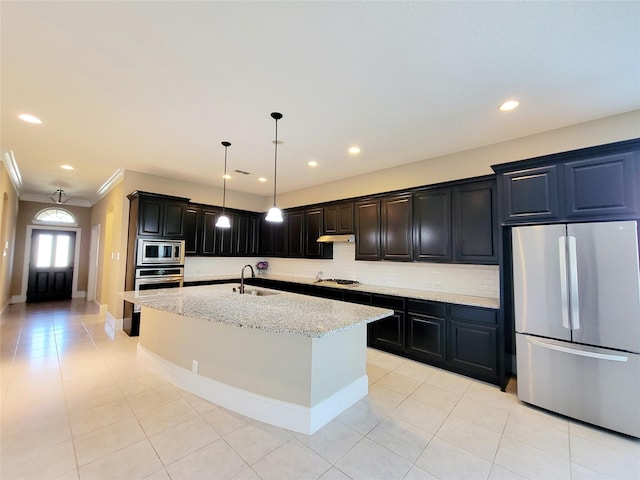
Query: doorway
51	265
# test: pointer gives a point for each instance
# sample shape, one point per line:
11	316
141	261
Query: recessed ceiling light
262	179
227	176
354	150
25	117
312	163
509	105
66	167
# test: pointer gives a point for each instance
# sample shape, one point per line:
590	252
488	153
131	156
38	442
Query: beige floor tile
383	399
500	473
168	415
94	397
224	421
200	405
436	397
578	472
334	474
469	436
247	474
445	460
104	441
603	459
386	360
530	462
415	370
607	438
399	383
138	384
154	397
89	420
159	475
484	414
375	373
214	461
482	392
539	430
400	437
135	461
291	461
179	441
416	473
72	475
332	441
255	440
369	460
35	463
361	417
419	414
450	381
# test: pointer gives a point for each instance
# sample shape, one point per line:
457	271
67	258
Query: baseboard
104	308
287	415
18	299
113	322
79	294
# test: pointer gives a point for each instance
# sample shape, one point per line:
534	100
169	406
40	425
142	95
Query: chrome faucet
253	275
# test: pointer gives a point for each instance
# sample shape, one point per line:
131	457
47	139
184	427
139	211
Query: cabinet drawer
357	297
383	301
426	337
486	316
474	347
429	308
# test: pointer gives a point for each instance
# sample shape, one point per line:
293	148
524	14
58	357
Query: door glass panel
62	251
43	258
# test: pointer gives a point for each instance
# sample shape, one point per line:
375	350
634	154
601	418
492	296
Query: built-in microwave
160	252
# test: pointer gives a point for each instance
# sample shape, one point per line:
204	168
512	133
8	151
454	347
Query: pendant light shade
274	214
223	220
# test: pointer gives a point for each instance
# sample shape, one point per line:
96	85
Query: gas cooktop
339	281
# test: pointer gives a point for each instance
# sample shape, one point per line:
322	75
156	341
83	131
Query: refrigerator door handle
564	287
574	351
574	302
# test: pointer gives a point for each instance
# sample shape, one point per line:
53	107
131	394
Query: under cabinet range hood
351	238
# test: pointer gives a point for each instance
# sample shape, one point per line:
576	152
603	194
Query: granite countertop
274	311
485	302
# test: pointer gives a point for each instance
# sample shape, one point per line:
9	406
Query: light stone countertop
280	312
474	301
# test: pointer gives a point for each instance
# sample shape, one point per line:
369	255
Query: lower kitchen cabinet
388	333
426	330
473	339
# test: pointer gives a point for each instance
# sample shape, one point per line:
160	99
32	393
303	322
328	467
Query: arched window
55	215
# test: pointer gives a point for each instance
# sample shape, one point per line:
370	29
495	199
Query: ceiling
156	86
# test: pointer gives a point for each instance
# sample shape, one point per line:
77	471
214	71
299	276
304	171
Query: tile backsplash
475	280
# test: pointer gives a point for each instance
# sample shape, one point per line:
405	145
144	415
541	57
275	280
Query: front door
51	265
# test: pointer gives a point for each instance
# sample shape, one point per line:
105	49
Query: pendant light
223	220
275	214
59	197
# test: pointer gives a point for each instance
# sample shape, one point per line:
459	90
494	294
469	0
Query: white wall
470	163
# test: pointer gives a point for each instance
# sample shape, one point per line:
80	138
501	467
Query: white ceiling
156	86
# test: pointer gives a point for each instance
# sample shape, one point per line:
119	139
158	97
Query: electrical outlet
194	366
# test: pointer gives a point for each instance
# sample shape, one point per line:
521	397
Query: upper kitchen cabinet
273	237
159	216
192	220
475	223
397	228
595	183
338	219
457	223
296	233
314	228
432	225
367	219
246	233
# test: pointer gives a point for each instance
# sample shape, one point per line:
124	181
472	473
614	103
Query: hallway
77	404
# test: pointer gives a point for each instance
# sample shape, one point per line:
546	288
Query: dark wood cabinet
209	233
246	234
192	220
296	233
279	230
473	339
397	228
426	330
338	219
601	186
159	215
531	194
388	333
595	183
314	228
475	227
225	236
432	225
367	219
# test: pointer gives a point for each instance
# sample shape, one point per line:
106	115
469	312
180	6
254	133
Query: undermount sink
259	293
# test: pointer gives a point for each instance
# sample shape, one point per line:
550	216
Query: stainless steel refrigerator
577	320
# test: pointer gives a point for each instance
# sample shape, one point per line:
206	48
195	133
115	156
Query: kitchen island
286	359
